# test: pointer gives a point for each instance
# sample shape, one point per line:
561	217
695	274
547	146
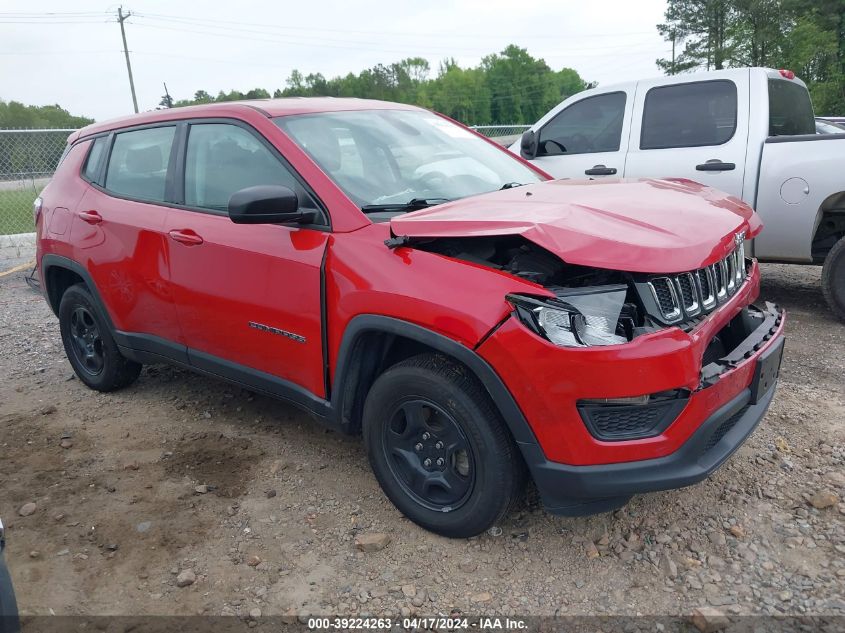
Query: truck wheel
833	279
439	449
89	345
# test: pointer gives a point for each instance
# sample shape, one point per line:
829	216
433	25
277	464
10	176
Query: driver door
588	138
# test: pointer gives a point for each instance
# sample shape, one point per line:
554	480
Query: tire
833	279
429	408
89	344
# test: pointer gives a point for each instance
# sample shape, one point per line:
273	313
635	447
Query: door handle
714	164
185	236
600	170
91	217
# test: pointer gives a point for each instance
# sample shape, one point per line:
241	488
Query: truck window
790	109
693	114
588	126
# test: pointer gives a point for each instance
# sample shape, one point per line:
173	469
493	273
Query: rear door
696	130
587	138
117	231
248	296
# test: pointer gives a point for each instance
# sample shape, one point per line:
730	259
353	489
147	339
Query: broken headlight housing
576	317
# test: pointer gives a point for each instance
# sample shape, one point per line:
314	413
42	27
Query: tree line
806	36
509	87
16	115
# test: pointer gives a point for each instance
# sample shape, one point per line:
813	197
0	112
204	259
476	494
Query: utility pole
120	18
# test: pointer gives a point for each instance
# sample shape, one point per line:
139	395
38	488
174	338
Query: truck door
586	137
695	129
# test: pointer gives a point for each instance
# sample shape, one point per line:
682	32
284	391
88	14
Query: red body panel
242	274
365	277
126	254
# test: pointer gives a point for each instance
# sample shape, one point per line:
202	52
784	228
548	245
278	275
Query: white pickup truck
749	132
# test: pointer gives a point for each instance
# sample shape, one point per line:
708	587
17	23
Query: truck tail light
786	74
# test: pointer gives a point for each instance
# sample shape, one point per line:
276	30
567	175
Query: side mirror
267	204
528	145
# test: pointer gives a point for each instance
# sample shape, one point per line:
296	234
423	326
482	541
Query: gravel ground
182	495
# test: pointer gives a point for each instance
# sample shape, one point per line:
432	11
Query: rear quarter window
790	109
92	163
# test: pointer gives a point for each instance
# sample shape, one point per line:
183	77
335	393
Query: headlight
577	317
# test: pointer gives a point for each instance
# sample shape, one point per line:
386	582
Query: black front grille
689	297
704	283
720	279
665	297
677	299
614	422
724	427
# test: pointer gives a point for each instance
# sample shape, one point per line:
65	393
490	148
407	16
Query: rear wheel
439	449
89	345
833	279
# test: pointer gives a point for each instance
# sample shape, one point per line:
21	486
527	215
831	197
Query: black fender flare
58	261
502	398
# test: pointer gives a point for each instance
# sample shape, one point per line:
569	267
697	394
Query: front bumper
577	473
578	490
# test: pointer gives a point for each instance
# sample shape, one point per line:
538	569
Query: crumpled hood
655	226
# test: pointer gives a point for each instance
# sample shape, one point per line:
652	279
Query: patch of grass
16	211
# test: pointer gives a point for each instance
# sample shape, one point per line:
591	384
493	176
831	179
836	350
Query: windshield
385	157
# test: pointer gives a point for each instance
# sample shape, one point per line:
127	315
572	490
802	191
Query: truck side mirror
528	145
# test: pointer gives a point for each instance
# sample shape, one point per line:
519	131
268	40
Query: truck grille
681	297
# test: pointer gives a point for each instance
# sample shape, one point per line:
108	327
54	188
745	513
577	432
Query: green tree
704	27
14	114
507	87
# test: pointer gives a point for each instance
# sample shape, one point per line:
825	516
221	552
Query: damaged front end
587	306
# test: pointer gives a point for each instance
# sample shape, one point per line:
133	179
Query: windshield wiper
412	205
511	185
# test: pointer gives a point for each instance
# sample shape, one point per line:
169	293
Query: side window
224	158
138	163
95	154
689	115
586	127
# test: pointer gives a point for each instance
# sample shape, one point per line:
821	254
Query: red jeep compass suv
399	276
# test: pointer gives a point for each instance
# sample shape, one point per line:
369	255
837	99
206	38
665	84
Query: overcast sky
77	60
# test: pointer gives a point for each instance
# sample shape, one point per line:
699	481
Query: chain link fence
504	135
27	160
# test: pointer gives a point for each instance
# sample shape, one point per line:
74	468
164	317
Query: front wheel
833	279
89	345
439	449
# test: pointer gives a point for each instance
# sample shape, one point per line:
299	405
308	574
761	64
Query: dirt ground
180	476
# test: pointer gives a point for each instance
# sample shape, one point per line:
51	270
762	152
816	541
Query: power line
299	28
244	34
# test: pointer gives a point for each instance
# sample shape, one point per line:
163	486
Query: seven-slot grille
687	295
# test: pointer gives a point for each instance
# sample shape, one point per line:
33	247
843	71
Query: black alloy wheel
439	447
87	343
429	455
